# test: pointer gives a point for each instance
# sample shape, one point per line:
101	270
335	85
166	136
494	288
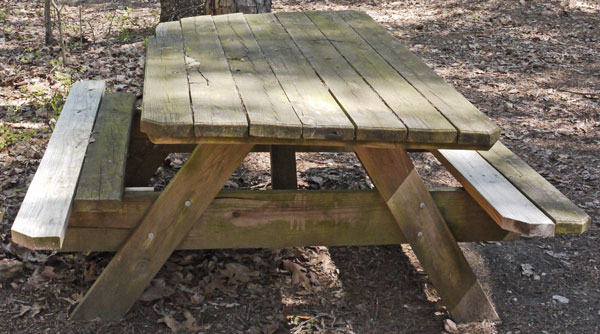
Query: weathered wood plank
474	128
424	123
246	219
103	174
567	216
502	201
372	118
312	142
321	116
161	230
269	111
44	214
430	238
166	109
216	102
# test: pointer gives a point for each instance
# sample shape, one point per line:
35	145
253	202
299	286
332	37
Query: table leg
165	225
409	201
283	167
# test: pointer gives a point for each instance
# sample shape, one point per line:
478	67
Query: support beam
424	228
250	219
283	167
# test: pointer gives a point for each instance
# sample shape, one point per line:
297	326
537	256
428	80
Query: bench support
283	167
424	228
167	223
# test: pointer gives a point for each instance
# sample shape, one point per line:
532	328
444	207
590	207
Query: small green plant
3	14
10	136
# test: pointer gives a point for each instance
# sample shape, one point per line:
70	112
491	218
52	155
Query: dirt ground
532	66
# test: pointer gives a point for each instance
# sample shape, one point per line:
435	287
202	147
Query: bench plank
216	103
567	216
103	174
474	128
269	111
372	118
44	214
245	219
166	104
321	116
423	121
505	203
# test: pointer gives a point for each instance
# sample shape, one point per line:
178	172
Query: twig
60	30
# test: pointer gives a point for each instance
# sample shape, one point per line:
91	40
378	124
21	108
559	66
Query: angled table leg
420	221
165	225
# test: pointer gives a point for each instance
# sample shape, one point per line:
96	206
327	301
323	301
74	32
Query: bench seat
512	193
85	156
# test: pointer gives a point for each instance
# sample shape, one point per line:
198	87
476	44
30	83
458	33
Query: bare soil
532	66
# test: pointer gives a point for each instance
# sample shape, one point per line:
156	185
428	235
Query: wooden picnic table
319	81
318	78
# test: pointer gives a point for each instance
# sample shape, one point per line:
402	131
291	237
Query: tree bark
172	10
48	22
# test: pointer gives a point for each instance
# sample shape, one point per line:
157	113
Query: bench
84	162
78	200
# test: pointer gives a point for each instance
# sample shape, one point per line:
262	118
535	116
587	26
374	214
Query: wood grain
248	219
425	124
269	111
321	116
474	127
216	102
426	231
44	214
372	118
567	216
103	174
166	109
505	203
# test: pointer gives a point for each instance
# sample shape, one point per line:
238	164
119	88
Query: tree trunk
172	10
47	22
215	7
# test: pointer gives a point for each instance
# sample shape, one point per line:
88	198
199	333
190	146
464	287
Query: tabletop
307	77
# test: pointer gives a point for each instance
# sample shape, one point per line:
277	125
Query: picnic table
222	86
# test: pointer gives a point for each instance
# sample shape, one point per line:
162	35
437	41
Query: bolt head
420	234
422	205
188	203
150	235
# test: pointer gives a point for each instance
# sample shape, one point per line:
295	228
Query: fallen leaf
171	323
9	268
298	277
158	289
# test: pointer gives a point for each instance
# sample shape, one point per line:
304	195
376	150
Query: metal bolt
150	235
422	205
188	203
420	234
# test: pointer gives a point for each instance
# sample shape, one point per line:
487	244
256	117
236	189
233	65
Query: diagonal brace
163	228
417	215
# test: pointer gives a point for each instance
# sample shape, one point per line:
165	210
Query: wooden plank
216	102
502	201
283	167
321	116
474	128
246	219
166	109
270	114
567	216
103	174
144	157
426	231
162	229
423	121
44	214
372	118
311	142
